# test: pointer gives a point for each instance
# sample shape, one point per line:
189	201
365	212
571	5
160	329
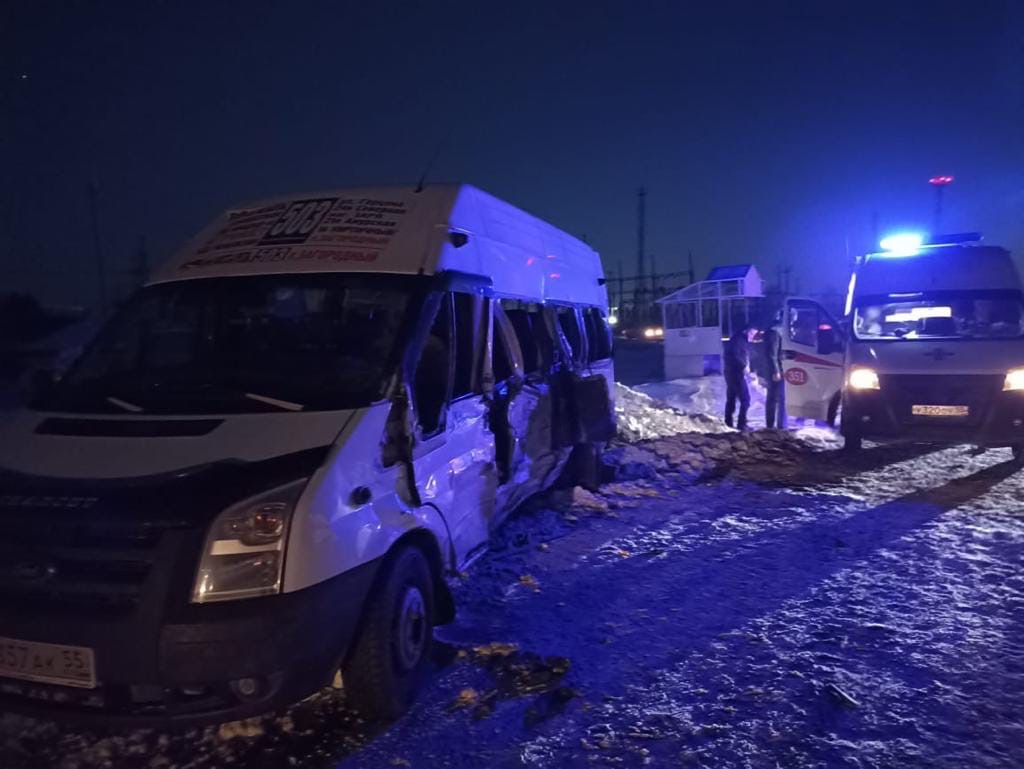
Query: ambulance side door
812	360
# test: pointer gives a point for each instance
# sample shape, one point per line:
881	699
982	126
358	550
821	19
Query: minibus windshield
243	344
940	314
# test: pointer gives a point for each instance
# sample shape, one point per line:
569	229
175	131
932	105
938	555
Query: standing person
775	399
735	362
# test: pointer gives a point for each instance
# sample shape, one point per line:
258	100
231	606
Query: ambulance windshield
940	314
243	344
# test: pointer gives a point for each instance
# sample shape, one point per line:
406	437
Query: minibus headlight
863	379
1014	379
243	555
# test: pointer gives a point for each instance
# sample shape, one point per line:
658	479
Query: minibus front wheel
388	662
1018	454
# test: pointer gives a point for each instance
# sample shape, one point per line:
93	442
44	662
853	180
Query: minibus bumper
994	418
195	665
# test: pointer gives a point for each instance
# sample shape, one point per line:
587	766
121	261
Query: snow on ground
727	600
697	405
642	416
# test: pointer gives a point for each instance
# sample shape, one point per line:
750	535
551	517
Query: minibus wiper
124	404
286	405
219	390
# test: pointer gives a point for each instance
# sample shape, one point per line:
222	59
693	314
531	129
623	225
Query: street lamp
939	183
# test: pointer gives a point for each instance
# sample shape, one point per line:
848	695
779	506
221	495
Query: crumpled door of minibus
455	471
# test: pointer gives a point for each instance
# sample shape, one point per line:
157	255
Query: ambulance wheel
384	671
833	410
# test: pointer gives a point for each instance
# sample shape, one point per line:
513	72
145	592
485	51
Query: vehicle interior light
1014	379
863	379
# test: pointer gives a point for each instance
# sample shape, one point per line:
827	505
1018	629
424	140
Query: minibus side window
468	347
433	371
599	340
533	338
501	359
569	324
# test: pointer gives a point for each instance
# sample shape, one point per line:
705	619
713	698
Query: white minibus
263	468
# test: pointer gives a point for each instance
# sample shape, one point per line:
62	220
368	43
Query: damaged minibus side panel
454	451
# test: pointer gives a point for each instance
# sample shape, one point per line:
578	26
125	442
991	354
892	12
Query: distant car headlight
1014	379
244	552
863	379
654	332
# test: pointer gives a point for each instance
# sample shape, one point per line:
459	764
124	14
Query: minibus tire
1018	454
383	673
852	443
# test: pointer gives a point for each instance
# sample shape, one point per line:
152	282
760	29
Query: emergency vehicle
263	468
936	350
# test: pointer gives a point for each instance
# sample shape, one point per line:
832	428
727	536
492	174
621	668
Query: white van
265	465
936	352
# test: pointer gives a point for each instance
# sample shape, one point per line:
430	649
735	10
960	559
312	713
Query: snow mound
696	405
642	418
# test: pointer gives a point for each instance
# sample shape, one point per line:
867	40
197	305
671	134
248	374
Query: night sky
760	134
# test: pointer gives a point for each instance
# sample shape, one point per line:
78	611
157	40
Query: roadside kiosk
698	317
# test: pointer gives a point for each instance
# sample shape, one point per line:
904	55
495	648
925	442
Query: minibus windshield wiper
286	405
155	396
123	404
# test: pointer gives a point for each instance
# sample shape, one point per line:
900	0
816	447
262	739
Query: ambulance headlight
863	379
243	555
1014	380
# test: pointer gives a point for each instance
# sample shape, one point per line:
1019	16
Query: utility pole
654	279
689	256
641	195
939	183
622	290
101	271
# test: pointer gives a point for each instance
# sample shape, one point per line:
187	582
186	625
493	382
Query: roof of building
729	272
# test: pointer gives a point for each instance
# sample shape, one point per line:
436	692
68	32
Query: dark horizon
760	137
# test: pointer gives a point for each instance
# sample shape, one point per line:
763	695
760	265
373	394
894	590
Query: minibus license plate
919	410
47	663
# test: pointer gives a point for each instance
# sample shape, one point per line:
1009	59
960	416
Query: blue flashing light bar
902	244
912	243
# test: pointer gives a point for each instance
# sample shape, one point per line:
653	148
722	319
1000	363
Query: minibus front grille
56	563
975	391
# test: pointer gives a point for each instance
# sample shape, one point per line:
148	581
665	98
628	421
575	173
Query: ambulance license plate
920	410
48	663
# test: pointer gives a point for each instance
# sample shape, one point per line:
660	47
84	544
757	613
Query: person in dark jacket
735	362
775	382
